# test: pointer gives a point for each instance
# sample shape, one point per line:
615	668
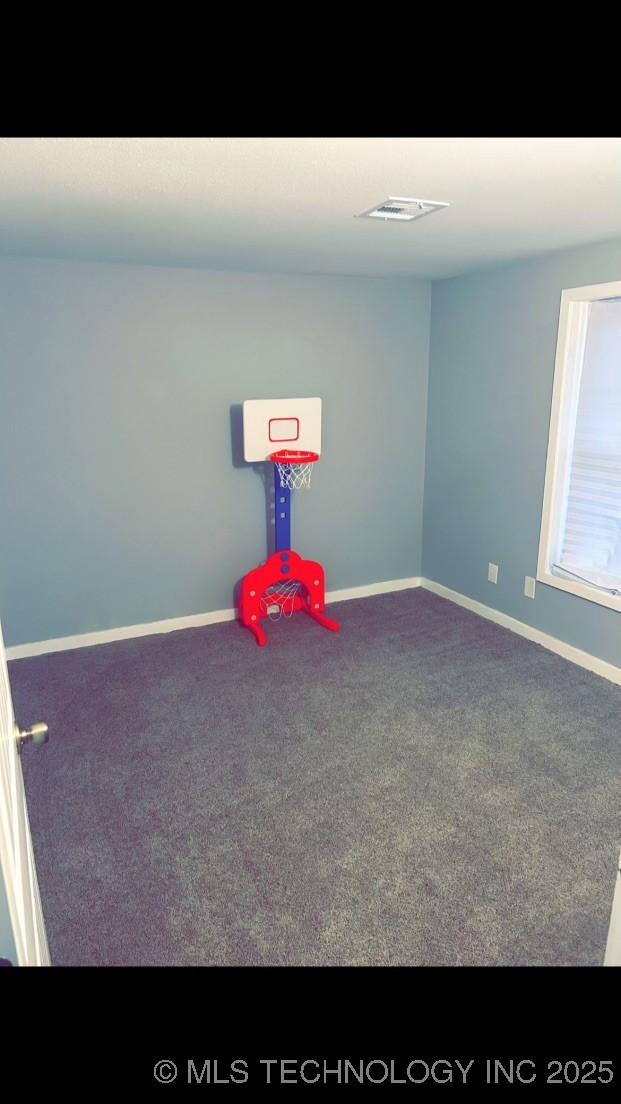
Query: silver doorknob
37	734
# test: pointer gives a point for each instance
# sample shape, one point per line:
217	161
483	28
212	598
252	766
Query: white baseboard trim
173	624
194	620
369	589
552	643
125	632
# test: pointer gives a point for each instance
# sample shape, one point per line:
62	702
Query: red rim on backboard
295	467
294	456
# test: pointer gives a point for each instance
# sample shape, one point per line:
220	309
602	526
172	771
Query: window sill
581	590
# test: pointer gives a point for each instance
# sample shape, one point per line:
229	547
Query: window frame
570	349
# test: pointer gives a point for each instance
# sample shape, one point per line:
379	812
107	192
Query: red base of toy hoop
312	601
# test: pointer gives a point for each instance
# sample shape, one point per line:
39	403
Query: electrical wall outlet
492	573
529	586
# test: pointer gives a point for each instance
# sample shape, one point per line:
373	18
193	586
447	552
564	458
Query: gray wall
493	347
121	500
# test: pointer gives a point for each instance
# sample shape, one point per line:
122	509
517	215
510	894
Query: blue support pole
282	514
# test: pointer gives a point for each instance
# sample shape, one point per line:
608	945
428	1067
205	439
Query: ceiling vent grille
402	209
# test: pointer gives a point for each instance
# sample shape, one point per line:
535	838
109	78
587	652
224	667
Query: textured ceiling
287	204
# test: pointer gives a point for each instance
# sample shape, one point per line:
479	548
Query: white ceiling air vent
402	209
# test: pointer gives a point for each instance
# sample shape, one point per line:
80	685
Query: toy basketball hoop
287	434
295	467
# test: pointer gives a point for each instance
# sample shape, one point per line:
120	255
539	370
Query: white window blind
590	538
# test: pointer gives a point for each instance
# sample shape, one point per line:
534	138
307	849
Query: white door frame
613	945
16	853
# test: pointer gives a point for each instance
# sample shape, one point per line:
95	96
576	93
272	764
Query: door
613	946
16	855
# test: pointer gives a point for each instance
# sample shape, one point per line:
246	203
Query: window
580	546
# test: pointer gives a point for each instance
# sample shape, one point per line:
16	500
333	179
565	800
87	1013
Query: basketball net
294	467
278	600
295	476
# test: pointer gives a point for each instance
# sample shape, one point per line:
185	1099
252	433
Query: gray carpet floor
425	788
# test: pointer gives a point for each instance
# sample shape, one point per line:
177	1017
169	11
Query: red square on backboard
284	429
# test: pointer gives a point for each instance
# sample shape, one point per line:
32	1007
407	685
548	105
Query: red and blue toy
286	583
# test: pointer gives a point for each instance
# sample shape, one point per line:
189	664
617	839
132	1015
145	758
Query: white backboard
274	424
